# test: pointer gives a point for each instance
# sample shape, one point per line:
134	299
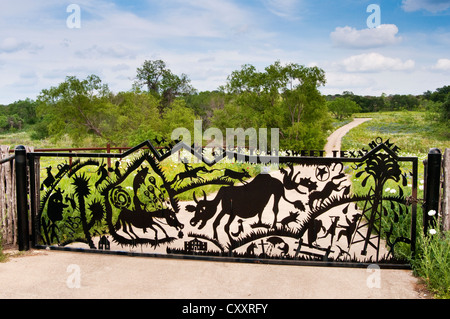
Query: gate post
432	189
21	198
446	191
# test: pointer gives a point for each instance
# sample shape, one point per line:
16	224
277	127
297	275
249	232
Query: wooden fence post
8	199
108	150
446	191
4	152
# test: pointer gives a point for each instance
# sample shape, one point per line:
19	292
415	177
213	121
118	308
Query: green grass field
409	130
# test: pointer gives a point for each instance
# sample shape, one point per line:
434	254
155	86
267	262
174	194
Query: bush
343	107
432	262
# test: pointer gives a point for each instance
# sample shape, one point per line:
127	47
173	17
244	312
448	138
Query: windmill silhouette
381	167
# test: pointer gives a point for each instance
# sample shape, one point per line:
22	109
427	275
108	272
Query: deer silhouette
327	190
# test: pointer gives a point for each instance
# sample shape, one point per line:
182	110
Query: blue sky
408	53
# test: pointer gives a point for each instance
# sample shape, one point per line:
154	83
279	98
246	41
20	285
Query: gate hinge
411	200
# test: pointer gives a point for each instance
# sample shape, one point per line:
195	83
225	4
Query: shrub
343	107
432	262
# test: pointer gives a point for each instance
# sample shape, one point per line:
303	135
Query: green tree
18	114
3	122
137	116
283	96
24	109
439	95
161	126
205	103
445	109
399	102
177	116
162	83
78	108
437	105
343	107
368	103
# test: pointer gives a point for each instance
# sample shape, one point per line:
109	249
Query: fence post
21	197
446	191
108	150
432	192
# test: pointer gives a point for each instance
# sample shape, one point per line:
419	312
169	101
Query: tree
3	122
343	107
205	103
300	89
151	74
137	117
283	96
445	109
17	114
398	102
162	83
78	108
162	126
439	95
438	108
24	109
86	111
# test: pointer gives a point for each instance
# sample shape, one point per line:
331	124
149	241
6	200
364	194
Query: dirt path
334	140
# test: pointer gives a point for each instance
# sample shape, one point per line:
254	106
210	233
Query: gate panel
305	210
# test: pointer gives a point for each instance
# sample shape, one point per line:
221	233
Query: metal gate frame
379	163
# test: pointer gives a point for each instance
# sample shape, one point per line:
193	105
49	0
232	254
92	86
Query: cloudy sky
404	49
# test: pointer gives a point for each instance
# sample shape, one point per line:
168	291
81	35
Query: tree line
280	96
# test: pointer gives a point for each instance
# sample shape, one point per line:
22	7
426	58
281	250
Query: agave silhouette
98	210
81	183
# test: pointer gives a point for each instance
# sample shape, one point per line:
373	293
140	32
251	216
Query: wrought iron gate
341	210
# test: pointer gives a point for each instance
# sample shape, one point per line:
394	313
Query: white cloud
101	52
196	18
27	78
428	5
282	8
385	34
375	62
13	45
442	65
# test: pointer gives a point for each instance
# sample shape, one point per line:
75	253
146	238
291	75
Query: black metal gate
342	210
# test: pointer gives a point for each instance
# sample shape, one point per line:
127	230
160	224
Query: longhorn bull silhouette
244	201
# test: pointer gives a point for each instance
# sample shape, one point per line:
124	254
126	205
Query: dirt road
334	140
